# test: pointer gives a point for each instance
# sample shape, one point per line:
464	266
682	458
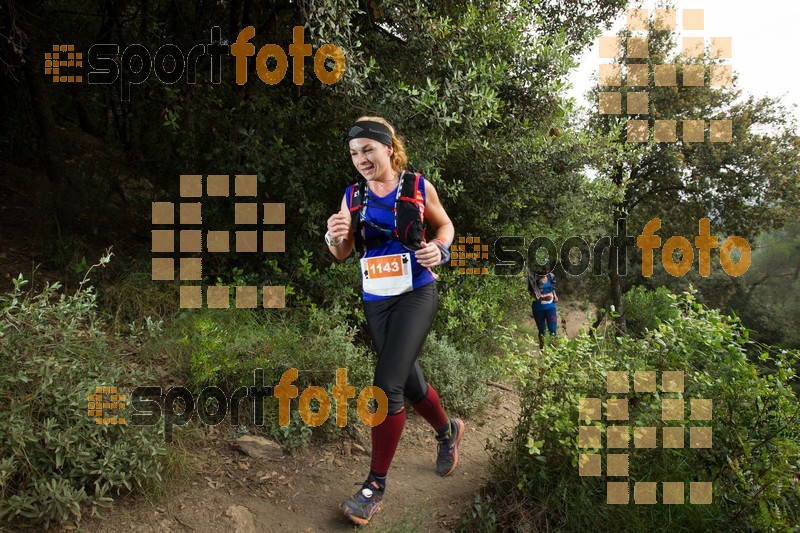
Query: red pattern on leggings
385	437
430	407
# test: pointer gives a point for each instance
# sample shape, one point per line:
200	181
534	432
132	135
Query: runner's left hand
429	255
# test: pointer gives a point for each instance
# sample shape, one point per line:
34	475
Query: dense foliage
56	462
763	297
645	309
477	90
745	185
753	462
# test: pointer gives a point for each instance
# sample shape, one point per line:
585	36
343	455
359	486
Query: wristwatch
331	242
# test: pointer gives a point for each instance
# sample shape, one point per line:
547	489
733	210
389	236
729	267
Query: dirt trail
231	492
228	491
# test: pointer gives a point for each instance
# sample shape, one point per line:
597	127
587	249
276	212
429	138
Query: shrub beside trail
56	348
56	462
753	462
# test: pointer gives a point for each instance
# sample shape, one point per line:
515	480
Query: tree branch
651	192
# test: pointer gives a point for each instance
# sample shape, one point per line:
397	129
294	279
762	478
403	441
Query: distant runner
542	286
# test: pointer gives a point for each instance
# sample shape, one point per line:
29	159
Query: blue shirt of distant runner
546	288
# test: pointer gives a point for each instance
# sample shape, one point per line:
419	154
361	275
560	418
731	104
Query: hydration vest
535	283
409	210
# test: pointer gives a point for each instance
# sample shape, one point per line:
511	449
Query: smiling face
371	158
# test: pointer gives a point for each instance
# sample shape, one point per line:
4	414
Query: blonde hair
399	159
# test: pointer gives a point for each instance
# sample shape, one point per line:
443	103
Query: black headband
368	129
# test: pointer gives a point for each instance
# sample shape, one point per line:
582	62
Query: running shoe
363	504
447	454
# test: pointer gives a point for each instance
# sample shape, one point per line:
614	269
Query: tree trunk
84	119
235	18
616	288
46	126
613	260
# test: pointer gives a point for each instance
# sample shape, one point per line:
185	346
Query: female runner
400	297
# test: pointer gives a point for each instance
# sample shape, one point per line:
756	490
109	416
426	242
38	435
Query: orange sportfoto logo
243	48
107	63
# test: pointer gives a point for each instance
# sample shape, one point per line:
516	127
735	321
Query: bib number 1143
387	275
386	266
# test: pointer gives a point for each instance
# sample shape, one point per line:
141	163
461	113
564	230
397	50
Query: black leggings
399	326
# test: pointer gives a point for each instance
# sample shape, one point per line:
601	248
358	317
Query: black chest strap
406	193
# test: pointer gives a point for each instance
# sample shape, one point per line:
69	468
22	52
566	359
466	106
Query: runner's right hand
339	226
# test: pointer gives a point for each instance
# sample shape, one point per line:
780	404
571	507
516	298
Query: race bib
387	275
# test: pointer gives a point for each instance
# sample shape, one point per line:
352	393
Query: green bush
645	309
753	463
55	459
132	296
459	376
223	347
471	306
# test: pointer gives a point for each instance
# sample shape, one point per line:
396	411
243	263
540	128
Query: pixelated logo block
469	248
59	60
617	438
193	240
103	400
629	50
